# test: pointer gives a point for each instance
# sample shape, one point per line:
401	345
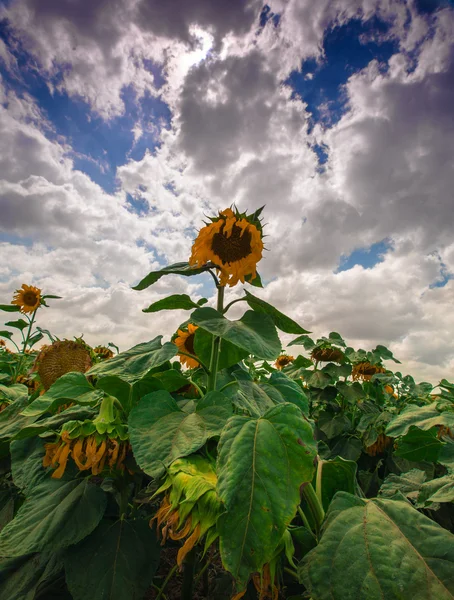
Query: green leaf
54	422
424	417
229	353
319	379
248	396
303	340
334	476
160	432
352	392
281	321
182	268
13	392
177	301
52	297
419	445
6	508
10	307
261	465
117	561
385	354
70	386
254	332
27	463
133	364
171	380
6	334
21	577
256	282
19	324
333	425
11	419
281	388
57	515
36	337
336	338
349	448
379	550
407	484
437	490
114	386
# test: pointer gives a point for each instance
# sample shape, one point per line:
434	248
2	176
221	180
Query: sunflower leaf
229	355
21	577
160	432
117	560
19	324
378	549
6	334
423	417
256	282
57	514
254	332
261	465
417	445
10	307
281	321
182	268
176	301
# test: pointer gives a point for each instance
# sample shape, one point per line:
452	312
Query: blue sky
118	135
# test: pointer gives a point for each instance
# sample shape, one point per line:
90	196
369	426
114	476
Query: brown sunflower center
189	343
30	298
233	248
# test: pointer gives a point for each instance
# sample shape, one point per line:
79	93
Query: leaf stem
188	576
314	505
197	387
292	573
229	384
166	581
232	303
214	361
204	367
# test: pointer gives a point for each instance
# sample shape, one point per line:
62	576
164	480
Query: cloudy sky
123	122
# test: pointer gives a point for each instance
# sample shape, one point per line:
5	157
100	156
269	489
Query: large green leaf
54	422
249	397
11	419
334	476
10	307
133	364
19	324
182	268
408	484
70	386
117	561
27	463
21	577
379	550
229	354
281	321
437	490
160	432
423	417
419	445
261	465
174	302
56	515
282	389
13	392
254	332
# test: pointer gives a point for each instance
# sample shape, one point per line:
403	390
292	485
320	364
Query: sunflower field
216	465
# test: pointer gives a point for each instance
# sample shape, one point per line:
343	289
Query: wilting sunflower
233	242
32	384
327	355
185	343
380	445
61	357
191	506
283	360
103	353
365	371
28	298
93	452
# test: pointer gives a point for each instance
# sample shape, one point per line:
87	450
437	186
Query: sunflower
185	343
191	506
59	358
380	445
365	371
233	242
90	452
103	353
327	355
28	298
283	360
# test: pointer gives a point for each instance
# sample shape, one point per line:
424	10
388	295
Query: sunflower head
191	506
61	357
365	370
233	242
327	355
103	353
28	298
380	445
185	343
283	360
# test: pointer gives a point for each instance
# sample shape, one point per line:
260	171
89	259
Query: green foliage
175	302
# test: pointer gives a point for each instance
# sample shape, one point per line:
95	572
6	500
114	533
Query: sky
124	122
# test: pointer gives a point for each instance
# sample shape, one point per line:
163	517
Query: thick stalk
314	505
188	576
216	344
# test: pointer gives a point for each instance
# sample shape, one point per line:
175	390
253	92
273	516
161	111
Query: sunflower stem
188	576
216	344
314	505
232	303
166	581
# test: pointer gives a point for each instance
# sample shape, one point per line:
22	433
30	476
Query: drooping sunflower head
283	360
191	506
60	358
365	370
2	343
380	445
185	343
28	298
103	353
233	242
327	355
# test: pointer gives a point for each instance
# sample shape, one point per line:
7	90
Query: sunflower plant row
217	465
